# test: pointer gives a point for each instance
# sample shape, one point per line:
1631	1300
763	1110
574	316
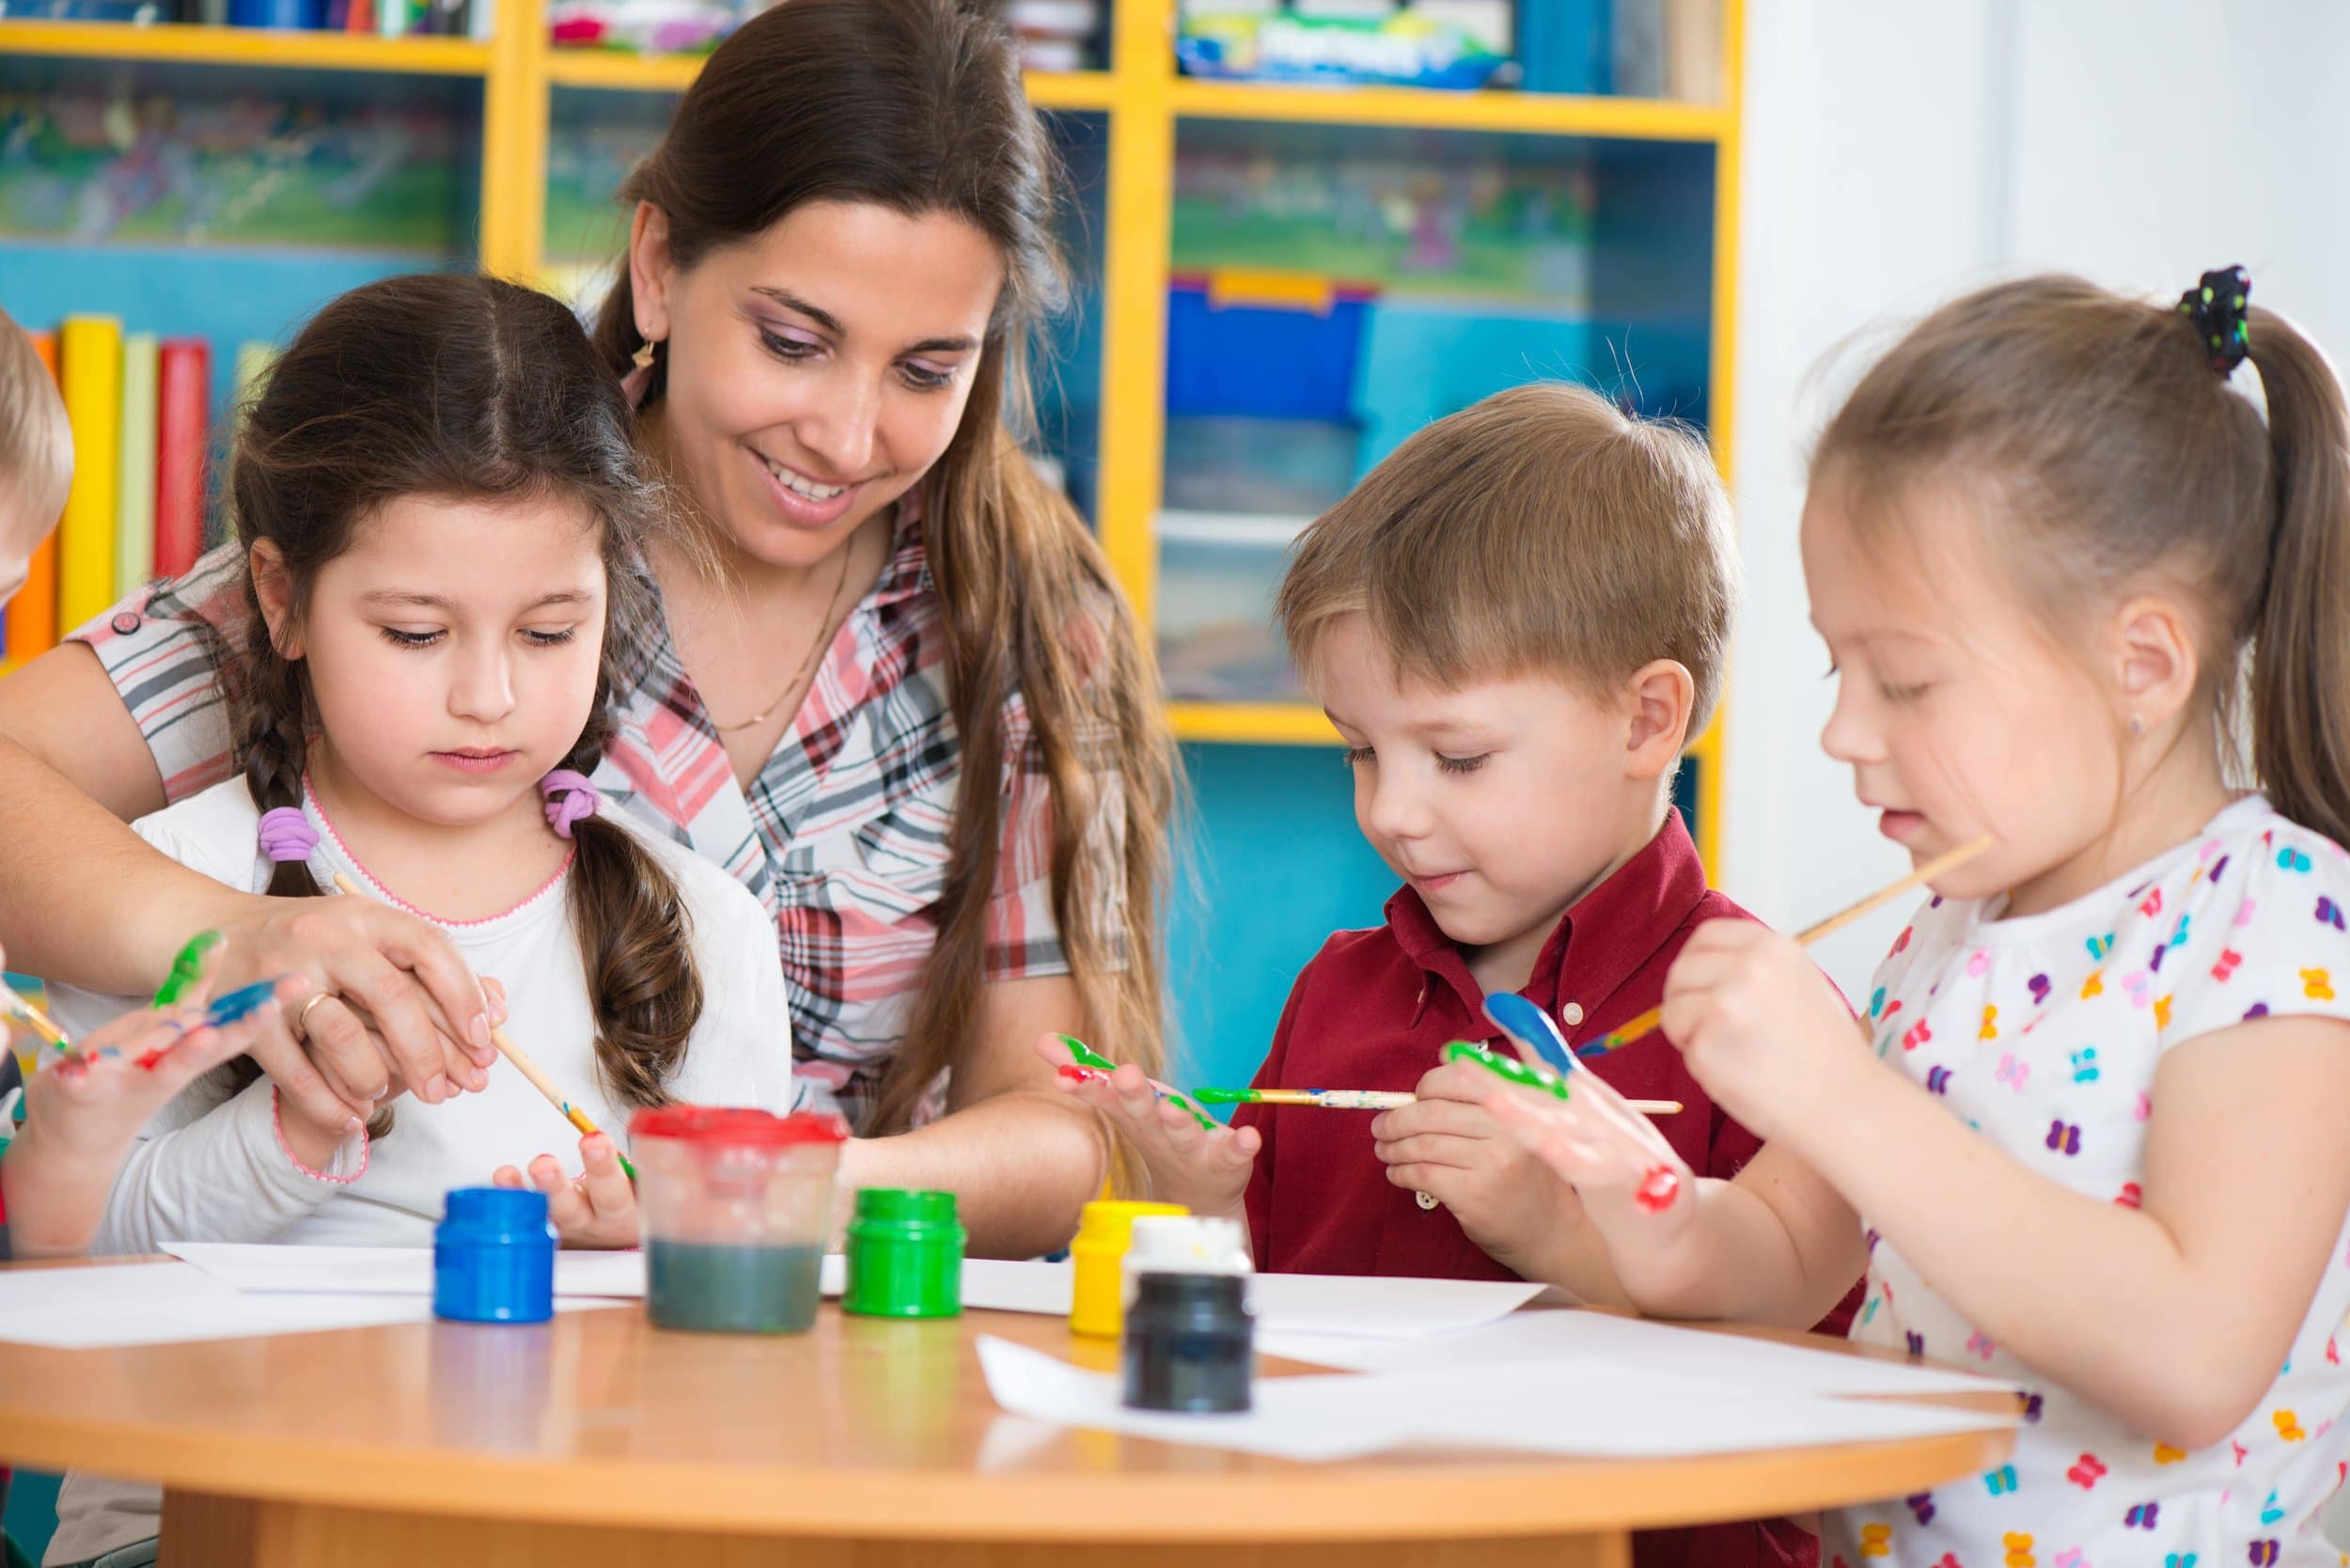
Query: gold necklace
816	649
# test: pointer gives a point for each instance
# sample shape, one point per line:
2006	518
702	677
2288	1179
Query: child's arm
2247	1178
1203	1168
1777	1245
82	1114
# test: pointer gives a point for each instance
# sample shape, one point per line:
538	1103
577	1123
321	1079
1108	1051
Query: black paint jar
1190	1343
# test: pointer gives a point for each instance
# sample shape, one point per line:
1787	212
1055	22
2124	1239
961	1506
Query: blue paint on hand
240	1003
1530	1026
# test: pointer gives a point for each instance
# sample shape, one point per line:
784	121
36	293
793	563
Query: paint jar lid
495	1212
1188	1245
1110	1224
737	1127
897	1206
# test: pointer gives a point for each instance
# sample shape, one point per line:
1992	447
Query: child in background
2093	1128
442	517
35	456
1516	623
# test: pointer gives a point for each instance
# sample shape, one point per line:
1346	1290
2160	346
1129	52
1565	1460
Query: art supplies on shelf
1057	34
1424	43
90	360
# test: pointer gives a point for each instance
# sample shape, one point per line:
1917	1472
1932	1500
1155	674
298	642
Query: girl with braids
909	710
2087	1138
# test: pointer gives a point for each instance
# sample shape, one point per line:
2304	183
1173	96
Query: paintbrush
17	1006
527	1068
1645	1024
1360	1099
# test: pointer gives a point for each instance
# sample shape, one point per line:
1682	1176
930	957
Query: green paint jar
906	1256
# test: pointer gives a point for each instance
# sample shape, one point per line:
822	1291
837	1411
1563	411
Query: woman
908	708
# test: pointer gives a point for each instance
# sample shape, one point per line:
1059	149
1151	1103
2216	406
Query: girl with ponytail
2070	552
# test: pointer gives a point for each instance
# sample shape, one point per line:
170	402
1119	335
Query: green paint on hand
1086	1055
1504	1067
187	970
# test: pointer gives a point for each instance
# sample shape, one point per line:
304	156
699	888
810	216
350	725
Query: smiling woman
879	674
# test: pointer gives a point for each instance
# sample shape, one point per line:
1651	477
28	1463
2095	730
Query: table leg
204	1531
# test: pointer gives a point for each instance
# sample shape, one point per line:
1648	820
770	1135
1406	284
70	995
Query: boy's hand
1762	1029
1203	1168
596	1208
1450	1147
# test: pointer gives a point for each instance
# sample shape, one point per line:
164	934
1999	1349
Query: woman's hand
1204	1168
596	1208
390	1006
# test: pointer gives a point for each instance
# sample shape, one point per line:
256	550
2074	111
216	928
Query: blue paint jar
493	1256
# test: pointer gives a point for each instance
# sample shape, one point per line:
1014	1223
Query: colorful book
91	354
33	613
134	488
182	424
391	18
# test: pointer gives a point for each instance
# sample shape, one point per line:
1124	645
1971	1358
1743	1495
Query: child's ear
274	586
649	272
1658	698
2154	656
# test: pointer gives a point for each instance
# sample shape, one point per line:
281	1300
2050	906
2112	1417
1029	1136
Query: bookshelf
1144	105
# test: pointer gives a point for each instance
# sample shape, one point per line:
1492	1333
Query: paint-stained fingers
608	1190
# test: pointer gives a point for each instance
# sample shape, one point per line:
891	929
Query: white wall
1897	153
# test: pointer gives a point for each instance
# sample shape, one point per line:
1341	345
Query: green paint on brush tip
187	969
1504	1067
1086	1055
1225	1096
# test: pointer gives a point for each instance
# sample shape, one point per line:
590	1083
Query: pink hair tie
570	798
287	834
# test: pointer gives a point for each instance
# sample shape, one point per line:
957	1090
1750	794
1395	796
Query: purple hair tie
570	798
287	834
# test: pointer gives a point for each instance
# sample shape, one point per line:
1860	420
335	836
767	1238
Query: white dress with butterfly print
2043	1033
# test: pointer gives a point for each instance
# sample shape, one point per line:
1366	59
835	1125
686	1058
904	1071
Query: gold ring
302	1019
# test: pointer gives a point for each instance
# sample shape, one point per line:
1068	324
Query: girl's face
816	371
1959	714
451	650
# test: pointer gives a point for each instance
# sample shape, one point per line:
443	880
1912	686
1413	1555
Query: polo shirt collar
1598	943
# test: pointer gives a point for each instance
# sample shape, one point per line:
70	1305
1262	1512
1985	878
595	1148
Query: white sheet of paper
151	1304
1587	1339
388	1270
1589	1412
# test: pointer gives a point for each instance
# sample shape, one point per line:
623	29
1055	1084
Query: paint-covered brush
1086	1057
1325	1099
1644	1026
531	1071
23	1011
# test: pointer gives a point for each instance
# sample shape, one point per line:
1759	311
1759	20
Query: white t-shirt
2044	1034
210	1167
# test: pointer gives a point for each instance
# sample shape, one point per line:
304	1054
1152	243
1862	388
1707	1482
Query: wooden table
596	1442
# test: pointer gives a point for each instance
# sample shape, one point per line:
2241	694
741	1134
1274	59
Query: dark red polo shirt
1375	1010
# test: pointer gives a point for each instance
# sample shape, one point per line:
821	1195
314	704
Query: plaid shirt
844	834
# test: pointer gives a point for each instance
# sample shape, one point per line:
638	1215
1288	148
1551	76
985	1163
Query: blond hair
2098	441
35	443
1542	530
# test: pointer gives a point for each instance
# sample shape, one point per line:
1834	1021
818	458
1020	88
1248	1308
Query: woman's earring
642	358
634	385
2137	725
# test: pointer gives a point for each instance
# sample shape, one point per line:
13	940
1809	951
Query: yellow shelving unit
1143	100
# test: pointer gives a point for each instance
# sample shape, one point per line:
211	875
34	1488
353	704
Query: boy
1516	623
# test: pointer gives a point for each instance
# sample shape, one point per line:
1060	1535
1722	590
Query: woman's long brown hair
917	106
464	388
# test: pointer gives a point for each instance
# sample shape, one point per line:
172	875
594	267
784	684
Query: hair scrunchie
286	833
570	798
2218	306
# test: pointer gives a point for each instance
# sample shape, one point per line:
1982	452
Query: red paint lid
737	1126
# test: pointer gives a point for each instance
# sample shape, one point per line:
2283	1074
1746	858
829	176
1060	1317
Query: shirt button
1571	1014
1425	1200
125	623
